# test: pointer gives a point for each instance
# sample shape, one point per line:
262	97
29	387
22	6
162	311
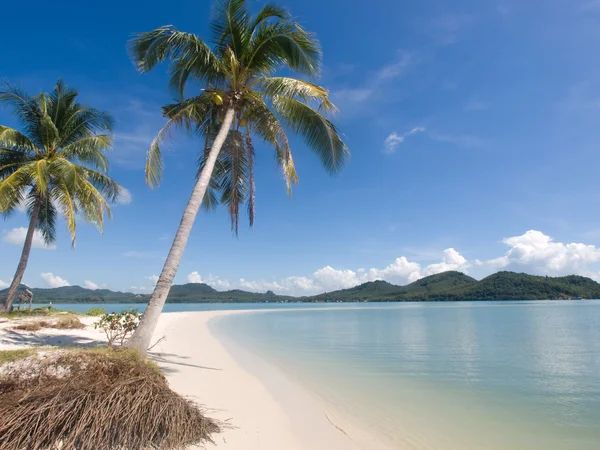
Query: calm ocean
460	375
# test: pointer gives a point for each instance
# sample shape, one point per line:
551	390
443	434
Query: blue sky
470	123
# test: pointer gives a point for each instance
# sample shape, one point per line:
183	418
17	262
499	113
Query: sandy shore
264	411
261	408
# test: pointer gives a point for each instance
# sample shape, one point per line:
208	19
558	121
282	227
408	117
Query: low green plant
7	356
96	312
119	326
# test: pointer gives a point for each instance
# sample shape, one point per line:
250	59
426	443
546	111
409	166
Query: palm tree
240	99
57	165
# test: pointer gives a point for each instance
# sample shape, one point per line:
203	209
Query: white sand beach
261	408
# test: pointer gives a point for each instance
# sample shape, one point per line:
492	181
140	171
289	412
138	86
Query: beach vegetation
118	327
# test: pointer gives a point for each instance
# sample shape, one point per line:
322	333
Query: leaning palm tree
57	165
240	99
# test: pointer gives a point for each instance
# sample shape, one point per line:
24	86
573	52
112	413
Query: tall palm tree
240	98
57	165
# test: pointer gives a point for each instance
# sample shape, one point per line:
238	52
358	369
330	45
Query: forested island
447	286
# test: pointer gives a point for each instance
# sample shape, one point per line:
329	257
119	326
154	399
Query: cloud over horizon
54	281
532	252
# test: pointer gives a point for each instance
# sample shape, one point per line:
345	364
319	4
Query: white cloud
153	278
90	285
54	281
325	279
212	281
535	252
125	197
4	284
391	143
16	236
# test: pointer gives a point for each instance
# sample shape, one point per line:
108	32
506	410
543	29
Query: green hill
384	291
440	287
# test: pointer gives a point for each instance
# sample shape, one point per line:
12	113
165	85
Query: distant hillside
187	293
440	287
419	290
520	286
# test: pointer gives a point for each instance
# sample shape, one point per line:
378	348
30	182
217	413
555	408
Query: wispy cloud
461	140
391	143
447	29
591	5
141	121
351	99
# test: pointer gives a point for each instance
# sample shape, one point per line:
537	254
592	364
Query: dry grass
32	326
64	322
68	322
94	399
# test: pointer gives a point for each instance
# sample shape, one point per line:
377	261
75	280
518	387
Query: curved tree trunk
16	282
141	338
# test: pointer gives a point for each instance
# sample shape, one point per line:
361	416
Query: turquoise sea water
501	375
436	376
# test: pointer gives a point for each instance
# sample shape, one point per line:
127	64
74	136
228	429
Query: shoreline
259	406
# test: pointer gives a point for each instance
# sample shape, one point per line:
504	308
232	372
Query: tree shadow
166	360
39	339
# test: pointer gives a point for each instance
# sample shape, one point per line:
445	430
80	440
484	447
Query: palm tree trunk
141	338
16	282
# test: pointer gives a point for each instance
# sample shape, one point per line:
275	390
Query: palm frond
64	199
12	187
293	88
15	140
47	215
188	114
320	134
189	54
90	150
284	44
231	26
24	107
267	126
268	12
251	184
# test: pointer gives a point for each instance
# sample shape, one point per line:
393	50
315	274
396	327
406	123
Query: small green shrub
7	356
119	326
96	312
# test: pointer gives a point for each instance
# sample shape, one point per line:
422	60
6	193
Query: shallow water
493	375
